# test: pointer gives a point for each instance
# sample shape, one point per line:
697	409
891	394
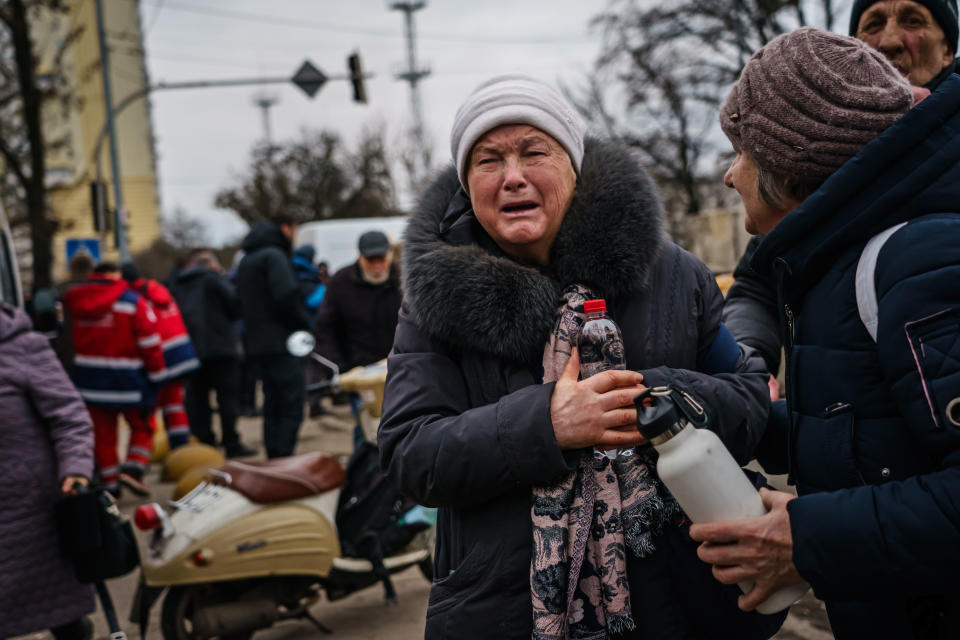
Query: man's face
376	269
907	34
289	231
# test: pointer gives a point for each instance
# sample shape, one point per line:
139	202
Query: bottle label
600	355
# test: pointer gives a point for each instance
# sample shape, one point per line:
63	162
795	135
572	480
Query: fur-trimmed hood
464	291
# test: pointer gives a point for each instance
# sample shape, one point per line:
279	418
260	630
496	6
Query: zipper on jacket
782	270
788	313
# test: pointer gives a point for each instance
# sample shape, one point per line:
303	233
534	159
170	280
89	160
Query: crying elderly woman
539	534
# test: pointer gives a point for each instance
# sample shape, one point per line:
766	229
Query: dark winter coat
466	421
750	310
356	321
45	435
874	440
269	292
210	308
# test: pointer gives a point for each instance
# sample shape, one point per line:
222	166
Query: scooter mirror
300	343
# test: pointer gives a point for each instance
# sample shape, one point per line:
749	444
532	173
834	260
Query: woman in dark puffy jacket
46	445
858	196
484	416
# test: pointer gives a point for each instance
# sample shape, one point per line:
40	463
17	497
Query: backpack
370	514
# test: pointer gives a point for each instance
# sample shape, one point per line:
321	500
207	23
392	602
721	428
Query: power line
262	18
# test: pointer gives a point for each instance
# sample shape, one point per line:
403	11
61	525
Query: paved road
363	616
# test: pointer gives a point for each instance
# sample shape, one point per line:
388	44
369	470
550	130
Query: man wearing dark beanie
918	36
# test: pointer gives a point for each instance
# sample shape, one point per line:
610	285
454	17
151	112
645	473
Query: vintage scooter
256	542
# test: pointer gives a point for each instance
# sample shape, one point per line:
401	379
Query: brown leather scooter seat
282	479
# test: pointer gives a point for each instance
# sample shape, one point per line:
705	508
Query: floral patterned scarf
584	526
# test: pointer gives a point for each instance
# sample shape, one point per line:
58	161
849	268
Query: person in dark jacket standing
920	38
483	415
859	198
357	319
210	308
46	445
273	309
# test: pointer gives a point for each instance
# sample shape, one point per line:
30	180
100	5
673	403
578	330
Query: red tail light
147	517
200	559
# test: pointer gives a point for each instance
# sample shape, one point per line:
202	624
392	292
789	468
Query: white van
335	241
10	289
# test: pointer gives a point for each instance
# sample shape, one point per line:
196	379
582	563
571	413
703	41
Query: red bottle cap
595	306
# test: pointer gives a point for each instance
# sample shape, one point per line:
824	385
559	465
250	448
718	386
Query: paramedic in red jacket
117	365
179	356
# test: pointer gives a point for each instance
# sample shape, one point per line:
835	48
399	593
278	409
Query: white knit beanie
515	99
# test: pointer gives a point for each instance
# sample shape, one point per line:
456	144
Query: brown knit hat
810	100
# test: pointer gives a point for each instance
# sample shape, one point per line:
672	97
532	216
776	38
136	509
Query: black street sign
309	78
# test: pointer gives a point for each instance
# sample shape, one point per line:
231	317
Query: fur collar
462	290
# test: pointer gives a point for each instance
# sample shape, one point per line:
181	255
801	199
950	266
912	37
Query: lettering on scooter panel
250	546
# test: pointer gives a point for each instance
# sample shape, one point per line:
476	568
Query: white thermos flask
700	473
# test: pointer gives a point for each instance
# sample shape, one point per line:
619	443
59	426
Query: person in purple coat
46	446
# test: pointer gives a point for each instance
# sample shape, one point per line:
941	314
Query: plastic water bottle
706	481
601	348
600	343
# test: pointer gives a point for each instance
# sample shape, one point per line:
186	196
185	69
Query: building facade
67	46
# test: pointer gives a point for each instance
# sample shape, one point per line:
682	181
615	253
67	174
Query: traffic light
356	78
98	204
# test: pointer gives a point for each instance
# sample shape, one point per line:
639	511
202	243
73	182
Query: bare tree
181	234
184	232
22	144
315	178
666	66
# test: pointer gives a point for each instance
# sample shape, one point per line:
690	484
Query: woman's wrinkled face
521	183
742	175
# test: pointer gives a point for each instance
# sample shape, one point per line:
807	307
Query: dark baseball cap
373	243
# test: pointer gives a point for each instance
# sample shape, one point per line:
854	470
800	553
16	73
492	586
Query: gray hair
779	191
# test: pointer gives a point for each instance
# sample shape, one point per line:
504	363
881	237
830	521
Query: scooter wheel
176	617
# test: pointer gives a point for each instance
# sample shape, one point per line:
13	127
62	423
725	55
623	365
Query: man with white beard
356	322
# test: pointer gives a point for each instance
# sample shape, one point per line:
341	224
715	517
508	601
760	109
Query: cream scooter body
240	539
231	565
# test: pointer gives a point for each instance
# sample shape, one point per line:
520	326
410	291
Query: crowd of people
133	348
847	161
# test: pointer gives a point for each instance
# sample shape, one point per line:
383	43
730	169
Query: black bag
369	511
98	539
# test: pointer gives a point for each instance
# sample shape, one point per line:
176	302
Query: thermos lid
657	419
596	305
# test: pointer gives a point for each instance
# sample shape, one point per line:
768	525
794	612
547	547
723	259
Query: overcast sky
204	136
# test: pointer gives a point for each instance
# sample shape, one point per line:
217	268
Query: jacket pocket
448	590
935	344
825	456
